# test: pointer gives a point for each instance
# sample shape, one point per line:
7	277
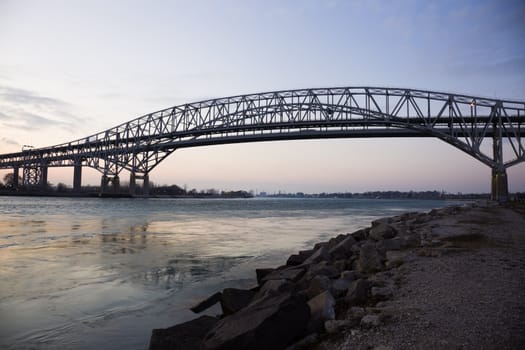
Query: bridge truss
490	130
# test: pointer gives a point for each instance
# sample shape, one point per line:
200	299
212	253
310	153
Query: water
86	272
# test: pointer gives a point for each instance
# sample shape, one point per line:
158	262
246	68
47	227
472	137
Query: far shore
396	195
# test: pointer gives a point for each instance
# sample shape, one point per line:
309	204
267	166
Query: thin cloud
10	142
15	95
24	109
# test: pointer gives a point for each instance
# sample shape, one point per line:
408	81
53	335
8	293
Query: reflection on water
82	273
183	270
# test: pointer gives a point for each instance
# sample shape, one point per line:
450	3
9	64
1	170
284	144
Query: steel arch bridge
490	130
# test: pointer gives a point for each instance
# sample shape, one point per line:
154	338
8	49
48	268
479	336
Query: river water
89	273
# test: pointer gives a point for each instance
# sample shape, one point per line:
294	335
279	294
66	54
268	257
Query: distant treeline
6	187
382	195
61	189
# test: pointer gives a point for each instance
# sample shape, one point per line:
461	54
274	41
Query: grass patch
469	241
485	216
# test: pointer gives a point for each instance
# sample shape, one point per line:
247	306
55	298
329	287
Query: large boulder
369	260
361	234
382	231
318	284
335	241
322	268
298	259
320	254
273	288
262	273
184	336
322	308
233	299
357	292
343	249
348	275
269	323
340	287
293	274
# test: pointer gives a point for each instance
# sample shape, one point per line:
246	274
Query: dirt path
468	293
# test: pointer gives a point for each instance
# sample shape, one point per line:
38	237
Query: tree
62	187
9	180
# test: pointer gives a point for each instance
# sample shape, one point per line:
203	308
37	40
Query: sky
69	69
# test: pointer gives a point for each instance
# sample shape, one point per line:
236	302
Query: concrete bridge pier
116	183
43	177
133	177
106	180
132	184
145	185
16	175
500	187
77	178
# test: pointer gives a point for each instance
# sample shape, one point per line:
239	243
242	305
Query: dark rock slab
319	254
369	260
361	234
323	268
317	285
335	241
261	273
184	336
207	303
292	274
298	259
233	299
322	308
273	288
340	287
382	231
269	323
358	292
381	221
343	249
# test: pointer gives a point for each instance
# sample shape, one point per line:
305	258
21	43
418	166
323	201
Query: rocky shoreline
344	292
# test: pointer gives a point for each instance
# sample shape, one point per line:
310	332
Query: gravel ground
466	292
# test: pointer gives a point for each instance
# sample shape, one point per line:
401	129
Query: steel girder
467	122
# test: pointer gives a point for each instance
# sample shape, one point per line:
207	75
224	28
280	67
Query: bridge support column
500	187
15	177
116	184
145	185
43	177
132	184
104	181
133	177
77	178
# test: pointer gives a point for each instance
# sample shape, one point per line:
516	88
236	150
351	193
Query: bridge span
490	130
